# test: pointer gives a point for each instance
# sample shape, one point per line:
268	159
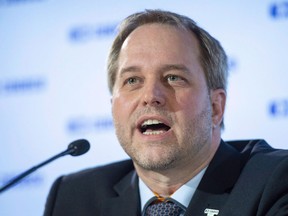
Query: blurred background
53	81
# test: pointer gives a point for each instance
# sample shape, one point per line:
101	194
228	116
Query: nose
154	94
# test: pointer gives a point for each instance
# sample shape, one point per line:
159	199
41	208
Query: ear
218	101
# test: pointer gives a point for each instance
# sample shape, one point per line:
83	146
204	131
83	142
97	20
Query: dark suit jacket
245	178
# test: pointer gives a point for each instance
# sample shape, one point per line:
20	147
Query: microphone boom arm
76	148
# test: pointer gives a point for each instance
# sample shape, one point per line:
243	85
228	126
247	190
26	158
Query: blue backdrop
53	81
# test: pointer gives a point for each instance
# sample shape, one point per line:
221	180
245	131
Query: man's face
161	104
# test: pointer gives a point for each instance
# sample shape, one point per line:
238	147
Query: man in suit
168	80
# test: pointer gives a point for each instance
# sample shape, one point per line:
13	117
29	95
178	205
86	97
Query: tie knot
165	208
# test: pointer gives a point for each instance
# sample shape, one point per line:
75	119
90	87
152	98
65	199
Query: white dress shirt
183	195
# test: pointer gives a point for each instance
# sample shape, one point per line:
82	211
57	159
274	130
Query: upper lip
159	119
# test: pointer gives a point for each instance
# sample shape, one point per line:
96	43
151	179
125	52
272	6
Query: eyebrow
178	67
129	69
162	69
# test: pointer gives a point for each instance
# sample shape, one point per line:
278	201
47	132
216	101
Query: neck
166	182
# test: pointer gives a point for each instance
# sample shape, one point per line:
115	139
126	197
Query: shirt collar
183	195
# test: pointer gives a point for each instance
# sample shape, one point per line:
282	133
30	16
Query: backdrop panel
53	81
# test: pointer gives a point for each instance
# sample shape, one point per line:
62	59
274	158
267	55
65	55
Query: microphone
76	148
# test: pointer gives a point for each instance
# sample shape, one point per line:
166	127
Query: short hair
212	57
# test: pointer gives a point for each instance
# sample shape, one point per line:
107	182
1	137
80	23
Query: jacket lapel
217	182
127	202
211	194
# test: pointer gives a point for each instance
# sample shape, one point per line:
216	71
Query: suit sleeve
51	199
275	194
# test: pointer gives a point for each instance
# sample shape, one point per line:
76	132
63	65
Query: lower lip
155	137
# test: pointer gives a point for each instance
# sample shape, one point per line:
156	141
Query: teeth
153	132
151	122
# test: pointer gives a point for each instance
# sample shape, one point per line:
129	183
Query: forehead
157	35
159	44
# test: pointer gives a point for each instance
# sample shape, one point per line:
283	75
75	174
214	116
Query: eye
174	78
131	81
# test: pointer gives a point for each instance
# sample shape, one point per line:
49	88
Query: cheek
190	105
116	108
187	101
121	106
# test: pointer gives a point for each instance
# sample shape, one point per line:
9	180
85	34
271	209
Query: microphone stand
24	174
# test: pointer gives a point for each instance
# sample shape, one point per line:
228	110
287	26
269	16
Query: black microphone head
78	147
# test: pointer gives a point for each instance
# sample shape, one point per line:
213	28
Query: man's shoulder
258	150
261	182
82	193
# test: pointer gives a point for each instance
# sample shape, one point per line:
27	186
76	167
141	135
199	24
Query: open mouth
153	127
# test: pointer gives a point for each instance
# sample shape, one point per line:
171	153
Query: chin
155	164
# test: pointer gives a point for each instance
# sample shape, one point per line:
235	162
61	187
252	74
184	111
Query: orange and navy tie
164	207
